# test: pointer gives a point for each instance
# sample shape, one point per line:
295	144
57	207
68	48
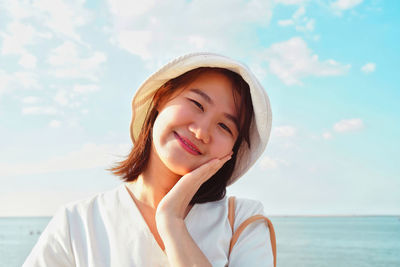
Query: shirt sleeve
54	245
253	247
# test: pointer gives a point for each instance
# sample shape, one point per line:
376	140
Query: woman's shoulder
94	201
244	207
248	206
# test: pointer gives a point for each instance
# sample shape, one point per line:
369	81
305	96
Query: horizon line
270	215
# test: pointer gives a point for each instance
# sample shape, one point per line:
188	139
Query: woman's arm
179	245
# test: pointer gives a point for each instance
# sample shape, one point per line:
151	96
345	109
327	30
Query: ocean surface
301	241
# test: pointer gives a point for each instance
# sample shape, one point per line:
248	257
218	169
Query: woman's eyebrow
203	95
208	99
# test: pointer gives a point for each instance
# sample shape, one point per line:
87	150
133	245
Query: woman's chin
181	169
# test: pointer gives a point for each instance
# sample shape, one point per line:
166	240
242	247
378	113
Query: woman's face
197	125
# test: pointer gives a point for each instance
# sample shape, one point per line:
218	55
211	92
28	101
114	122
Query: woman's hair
215	187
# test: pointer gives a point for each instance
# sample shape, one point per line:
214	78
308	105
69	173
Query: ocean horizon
273	215
309	241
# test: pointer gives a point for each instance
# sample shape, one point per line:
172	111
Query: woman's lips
187	145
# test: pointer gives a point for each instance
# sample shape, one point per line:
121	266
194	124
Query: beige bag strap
239	230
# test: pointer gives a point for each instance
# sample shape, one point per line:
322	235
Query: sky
69	69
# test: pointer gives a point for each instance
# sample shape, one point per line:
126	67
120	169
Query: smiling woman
198	124
198	96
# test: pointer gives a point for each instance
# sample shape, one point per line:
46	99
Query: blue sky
68	71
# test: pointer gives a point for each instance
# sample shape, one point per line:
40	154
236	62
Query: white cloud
30	100
61	98
368	68
62	17
284	131
17	80
64	54
327	135
18	9
299	12
301	23
307	27
55	124
135	42
27	79
5	80
348	125
27	61
88	156
292	60
345	4
291	2
16	37
39	110
31	22
286	22
69	63
130	8
149	28
67	98
268	163
316	37
85	88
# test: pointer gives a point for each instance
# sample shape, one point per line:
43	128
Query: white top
109	230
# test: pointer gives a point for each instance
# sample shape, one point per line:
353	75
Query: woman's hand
180	248
175	203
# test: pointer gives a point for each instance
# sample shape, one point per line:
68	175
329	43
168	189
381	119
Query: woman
194	132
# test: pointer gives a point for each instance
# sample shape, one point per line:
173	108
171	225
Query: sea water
18	235
301	241
338	241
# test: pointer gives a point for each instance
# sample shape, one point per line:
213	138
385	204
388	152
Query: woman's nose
201	131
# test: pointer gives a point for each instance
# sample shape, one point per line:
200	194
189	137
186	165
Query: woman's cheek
224	146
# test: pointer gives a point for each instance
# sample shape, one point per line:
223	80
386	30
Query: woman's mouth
187	145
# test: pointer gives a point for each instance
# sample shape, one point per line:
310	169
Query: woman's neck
153	183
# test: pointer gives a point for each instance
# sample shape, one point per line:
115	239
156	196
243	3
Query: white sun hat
260	127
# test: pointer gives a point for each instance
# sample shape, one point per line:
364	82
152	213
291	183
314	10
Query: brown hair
215	187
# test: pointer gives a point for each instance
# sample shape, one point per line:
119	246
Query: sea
370	241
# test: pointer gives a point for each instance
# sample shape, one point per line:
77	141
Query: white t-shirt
109	230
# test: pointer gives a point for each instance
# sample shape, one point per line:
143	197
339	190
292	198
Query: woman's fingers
205	171
191	182
178	198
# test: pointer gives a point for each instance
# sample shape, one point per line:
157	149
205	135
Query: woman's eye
226	128
197	104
